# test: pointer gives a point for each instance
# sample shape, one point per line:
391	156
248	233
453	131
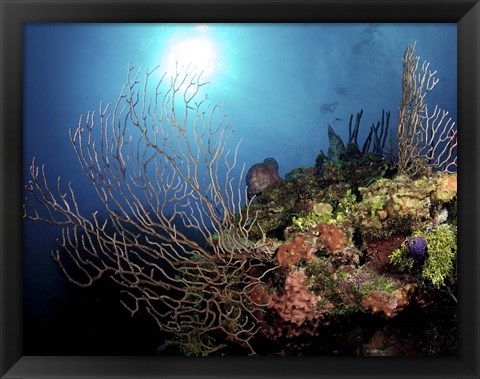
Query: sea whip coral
160	175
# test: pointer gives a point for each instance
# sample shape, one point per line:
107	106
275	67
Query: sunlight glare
197	52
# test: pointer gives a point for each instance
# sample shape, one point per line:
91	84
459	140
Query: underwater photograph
240	189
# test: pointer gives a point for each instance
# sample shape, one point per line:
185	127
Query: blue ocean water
282	85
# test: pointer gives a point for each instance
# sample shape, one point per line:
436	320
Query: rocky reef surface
363	259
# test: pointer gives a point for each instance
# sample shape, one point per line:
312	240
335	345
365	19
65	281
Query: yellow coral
322	208
446	188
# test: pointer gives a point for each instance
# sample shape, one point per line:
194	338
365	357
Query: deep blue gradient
278	82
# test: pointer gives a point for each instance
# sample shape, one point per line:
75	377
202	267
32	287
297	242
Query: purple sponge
417	247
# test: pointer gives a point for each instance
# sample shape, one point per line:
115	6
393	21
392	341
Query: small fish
342	91
329	107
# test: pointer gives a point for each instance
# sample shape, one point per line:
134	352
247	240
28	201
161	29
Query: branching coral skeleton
424	137
160	157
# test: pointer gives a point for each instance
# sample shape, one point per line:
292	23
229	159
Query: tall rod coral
424	137
160	158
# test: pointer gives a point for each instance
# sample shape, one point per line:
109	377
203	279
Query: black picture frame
15	14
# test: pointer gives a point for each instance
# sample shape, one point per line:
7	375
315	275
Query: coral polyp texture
330	258
331	237
298	303
294	251
389	304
